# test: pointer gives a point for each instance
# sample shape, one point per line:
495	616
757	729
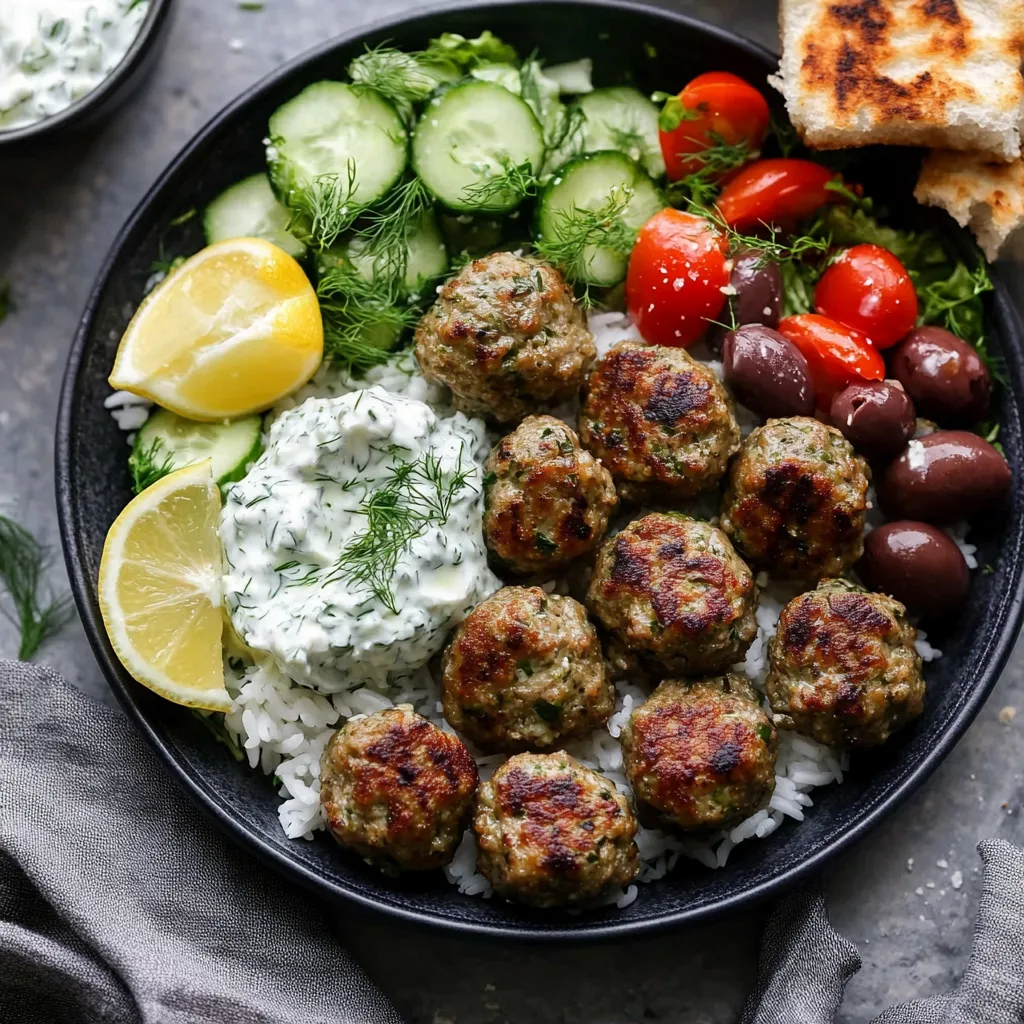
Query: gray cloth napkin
805	963
120	904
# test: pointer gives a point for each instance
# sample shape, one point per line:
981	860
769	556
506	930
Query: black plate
656	50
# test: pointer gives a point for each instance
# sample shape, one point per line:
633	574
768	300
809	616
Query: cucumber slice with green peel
624	119
425	255
249	209
475	236
332	128
576	207
166	442
469	139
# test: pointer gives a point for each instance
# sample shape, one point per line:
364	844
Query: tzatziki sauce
354	543
54	52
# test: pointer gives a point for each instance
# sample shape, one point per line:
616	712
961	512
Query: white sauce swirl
53	52
298	510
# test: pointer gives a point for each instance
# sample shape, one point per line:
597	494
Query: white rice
283	727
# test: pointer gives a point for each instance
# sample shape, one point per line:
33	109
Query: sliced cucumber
624	119
476	236
426	257
333	128
249	209
595	182
171	442
470	136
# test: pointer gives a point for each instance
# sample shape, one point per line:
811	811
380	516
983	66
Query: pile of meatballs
670	602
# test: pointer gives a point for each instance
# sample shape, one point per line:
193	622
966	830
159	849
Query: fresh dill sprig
183	218
563	135
384	233
577	231
147	465
769	244
23	561
404	78
417	496
716	160
324	209
515	180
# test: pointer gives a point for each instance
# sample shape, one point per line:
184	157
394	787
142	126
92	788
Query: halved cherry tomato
836	355
868	289
780	191
716	107
675	279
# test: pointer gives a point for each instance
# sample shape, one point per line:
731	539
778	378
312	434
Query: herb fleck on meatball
524	671
661	422
397	790
700	754
552	832
796	500
505	335
547	500
844	668
675	595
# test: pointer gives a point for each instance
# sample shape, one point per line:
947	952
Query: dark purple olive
944	477
767	372
943	375
876	417
758	298
918	565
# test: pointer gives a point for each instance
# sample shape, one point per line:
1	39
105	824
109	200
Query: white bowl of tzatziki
62	58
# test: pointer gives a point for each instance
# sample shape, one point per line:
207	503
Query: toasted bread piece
979	194
942	73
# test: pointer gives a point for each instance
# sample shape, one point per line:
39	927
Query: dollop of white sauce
53	52
287	523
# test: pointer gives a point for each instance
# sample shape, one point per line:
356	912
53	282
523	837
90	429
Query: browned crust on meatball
661	422
397	790
525	671
552	832
504	335
546	500
700	754
796	500
844	668
672	590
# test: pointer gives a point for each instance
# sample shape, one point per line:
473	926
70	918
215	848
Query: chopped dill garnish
213	722
23	561
417	496
515	181
576	231
323	210
147	465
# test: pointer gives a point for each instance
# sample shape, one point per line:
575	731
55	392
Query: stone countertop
894	894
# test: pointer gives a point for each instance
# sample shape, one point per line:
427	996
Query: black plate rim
576	929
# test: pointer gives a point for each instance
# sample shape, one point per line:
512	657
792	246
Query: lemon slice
160	589
231	331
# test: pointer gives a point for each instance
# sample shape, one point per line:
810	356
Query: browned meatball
552	832
844	668
506	335
524	671
701	754
546	500
397	790
675	595
796	500
661	422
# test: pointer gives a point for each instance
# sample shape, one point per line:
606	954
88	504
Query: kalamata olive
943	375
918	565
758	298
944	477
767	372
875	416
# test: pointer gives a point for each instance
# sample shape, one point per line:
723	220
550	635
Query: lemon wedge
160	585
235	328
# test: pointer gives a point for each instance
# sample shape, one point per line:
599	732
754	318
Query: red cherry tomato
781	191
717	107
675	279
836	355
868	289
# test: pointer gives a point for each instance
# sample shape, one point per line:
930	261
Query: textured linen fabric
806	963
120	904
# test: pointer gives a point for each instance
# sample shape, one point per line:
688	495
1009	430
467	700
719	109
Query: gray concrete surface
58	215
